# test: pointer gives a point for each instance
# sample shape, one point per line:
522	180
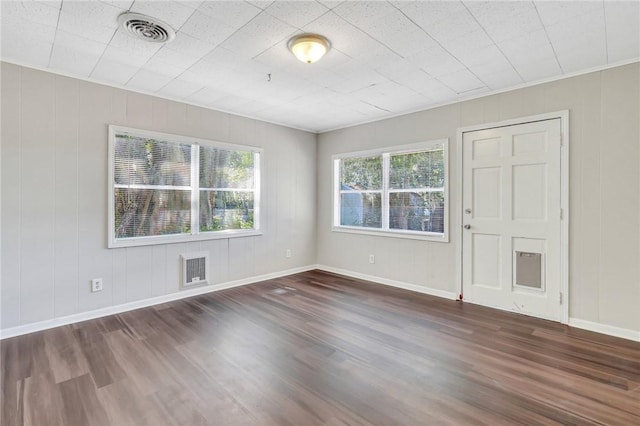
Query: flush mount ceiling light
146	28
309	48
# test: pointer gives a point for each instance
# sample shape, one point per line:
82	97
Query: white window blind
397	191
167	188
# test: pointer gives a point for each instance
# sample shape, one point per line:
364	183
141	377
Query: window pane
220	168
146	212
417	211
220	210
146	161
417	170
363	173
358	209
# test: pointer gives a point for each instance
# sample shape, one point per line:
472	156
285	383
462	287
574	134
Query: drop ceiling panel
623	33
93	20
173	13
386	57
297	13
148	81
207	29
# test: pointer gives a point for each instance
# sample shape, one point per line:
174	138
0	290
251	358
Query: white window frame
386	154
195	234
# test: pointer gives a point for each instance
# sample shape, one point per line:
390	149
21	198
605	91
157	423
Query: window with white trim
166	188
399	191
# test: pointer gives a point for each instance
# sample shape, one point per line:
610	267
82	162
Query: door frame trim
564	196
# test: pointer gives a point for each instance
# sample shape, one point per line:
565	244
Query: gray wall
604	191
54	197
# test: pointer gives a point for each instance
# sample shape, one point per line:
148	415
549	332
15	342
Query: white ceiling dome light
146	28
309	48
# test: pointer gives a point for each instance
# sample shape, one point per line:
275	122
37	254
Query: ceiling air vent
146	28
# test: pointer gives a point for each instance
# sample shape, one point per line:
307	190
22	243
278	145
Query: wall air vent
195	269
146	28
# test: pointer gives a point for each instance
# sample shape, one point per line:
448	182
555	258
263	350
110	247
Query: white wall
54	197
604	191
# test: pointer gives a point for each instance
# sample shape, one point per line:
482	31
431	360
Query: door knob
467	226
467	211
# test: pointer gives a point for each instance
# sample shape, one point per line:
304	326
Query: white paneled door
512	218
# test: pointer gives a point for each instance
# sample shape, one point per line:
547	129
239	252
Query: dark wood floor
318	349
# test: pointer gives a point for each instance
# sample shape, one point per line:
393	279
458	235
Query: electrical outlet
287	253
96	285
372	258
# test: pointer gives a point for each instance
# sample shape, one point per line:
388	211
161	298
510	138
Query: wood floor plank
318	349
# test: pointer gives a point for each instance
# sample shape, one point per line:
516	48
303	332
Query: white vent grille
146	28
195	269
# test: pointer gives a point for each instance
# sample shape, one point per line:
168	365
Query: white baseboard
399	284
611	330
110	310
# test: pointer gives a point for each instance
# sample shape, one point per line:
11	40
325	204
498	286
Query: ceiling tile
436	61
553	12
461	81
230	13
75	55
122	4
504	20
331	4
538	70
408	42
206	96
43	13
588	49
363	13
622	30
179	89
113	71
521	49
269	29
396	69
132	50
148	81
13	29
174	13
344	37
297	13
174	58
474	48
497	78
93	20
246	46
261	4
442	20
208	72
28	50
204	28
190	46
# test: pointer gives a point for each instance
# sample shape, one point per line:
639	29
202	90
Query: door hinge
561	139
561	214
561	298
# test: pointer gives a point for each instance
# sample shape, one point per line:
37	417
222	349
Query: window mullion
385	190
195	189
257	190
337	199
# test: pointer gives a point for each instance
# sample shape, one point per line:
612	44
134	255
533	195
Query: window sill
152	241
411	235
